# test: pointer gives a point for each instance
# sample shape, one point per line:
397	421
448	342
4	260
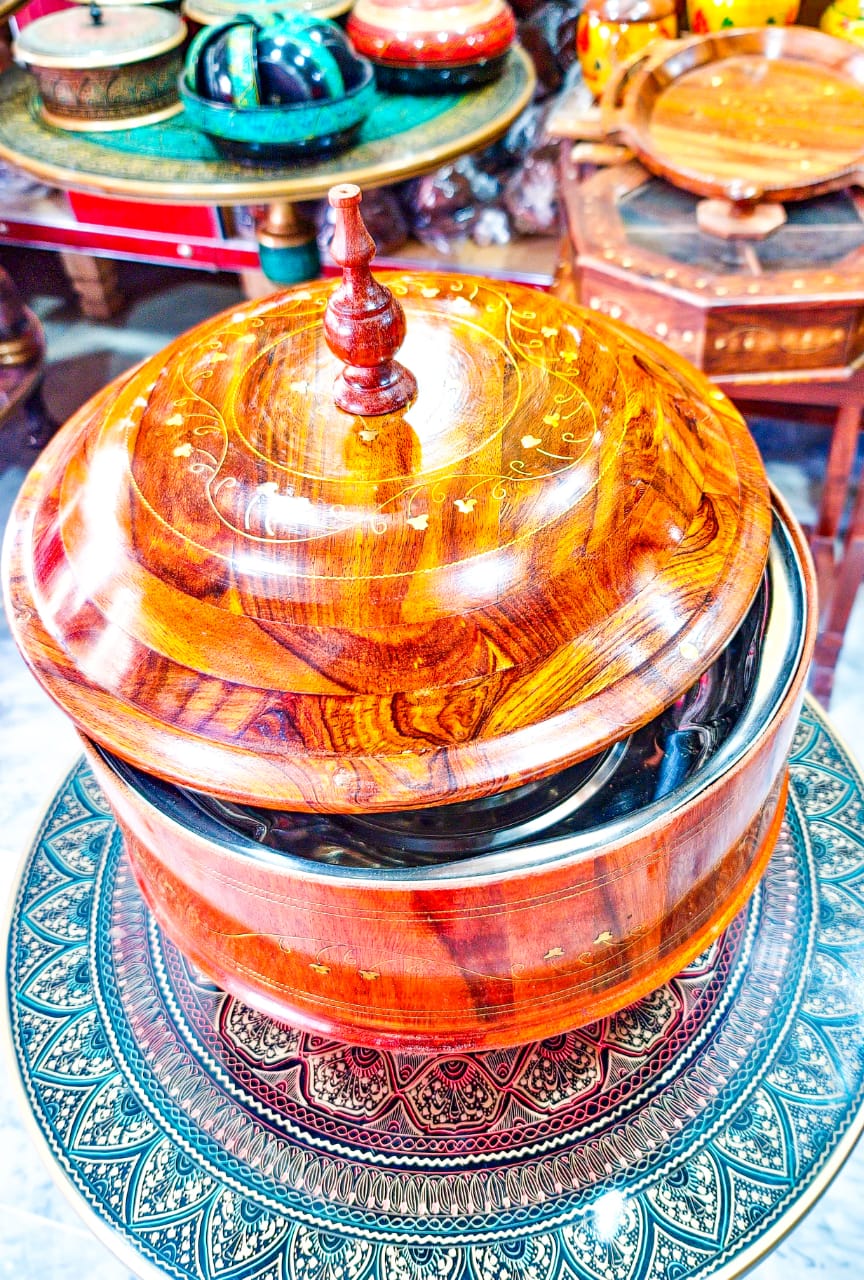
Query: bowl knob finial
364	325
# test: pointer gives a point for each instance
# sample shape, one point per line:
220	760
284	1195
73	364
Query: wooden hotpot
502	603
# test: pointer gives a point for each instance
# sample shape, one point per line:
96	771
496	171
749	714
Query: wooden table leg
287	245
96	284
841	458
847	579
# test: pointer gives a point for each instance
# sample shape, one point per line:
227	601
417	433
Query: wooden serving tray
771	114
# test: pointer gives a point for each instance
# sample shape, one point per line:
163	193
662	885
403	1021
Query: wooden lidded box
105	70
453	716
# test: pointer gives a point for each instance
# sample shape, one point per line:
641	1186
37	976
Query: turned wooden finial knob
364	324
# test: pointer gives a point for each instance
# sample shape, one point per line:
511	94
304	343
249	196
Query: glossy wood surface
791	311
454	968
237	586
783	335
770	113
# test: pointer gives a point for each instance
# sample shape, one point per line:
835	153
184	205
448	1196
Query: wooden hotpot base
442	968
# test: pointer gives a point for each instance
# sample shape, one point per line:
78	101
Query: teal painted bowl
276	91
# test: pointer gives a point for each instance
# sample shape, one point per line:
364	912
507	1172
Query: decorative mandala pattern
677	1139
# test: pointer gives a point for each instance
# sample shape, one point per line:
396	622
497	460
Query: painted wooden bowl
105	69
276	90
434	46
610	32
549	929
274	572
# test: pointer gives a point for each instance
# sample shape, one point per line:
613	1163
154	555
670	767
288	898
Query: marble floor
41	1238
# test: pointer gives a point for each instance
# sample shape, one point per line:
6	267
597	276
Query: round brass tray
172	163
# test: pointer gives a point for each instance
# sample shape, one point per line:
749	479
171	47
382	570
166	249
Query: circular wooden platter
197	1137
173	163
773	113
314	610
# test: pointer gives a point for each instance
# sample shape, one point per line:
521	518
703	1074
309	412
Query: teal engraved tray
172	162
680	1138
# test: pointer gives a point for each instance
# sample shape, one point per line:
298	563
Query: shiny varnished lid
233	583
71	37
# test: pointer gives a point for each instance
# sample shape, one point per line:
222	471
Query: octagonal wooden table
777	323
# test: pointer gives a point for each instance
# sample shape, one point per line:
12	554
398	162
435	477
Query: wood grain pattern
783	335
493	951
770	113
499	949
232	584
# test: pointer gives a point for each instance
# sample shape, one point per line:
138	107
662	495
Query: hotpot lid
239	587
